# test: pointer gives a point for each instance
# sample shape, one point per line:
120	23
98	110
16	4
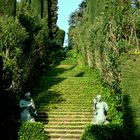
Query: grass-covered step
66	115
70	119
64	135
64	127
72	108
66	118
67	108
64	109
65	112
70	122
69	113
66	70
71	131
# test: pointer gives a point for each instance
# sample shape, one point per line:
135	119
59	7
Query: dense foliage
36	6
45	9
7	7
52	17
26	49
32	131
27	37
103	132
106	30
12	36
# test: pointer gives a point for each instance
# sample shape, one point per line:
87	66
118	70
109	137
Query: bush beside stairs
63	100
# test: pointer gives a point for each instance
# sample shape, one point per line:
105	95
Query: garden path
64	100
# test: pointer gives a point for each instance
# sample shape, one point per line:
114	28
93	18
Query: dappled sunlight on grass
48	97
66	83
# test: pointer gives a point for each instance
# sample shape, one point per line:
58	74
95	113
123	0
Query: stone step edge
69	123
64	127
66	112
69	113
53	135
65	119
68	131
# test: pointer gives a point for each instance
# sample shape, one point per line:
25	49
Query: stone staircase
67	116
66	124
65	127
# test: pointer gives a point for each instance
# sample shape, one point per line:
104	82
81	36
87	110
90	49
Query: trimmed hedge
103	132
32	131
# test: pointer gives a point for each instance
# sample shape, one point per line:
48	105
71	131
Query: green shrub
103	132
32	131
30	22
12	35
59	39
71	57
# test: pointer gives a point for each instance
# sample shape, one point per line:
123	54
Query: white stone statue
28	108
100	109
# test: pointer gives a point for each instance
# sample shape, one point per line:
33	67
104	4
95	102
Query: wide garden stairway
64	101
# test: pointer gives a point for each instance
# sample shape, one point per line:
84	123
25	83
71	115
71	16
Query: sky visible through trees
66	7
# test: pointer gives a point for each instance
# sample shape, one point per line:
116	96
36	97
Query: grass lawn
131	89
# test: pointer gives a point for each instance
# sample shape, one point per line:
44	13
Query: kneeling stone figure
100	109
27	108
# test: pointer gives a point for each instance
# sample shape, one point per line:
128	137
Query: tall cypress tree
52	17
45	9
36	6
7	7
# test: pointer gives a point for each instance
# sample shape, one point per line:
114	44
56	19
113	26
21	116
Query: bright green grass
66	92
131	88
67	87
